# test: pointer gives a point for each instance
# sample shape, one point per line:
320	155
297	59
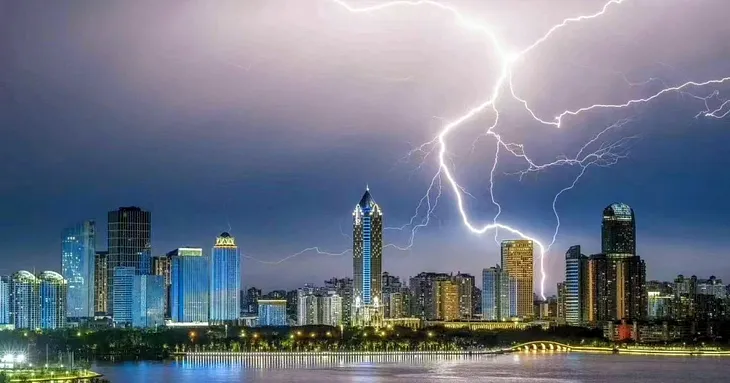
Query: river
518	367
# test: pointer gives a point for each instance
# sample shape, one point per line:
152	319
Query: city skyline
184	103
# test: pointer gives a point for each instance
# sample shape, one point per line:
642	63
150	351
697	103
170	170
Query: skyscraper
190	274
447	300
499	295
78	250
161	267
330	309
25	300
4	300
618	231
576	267
307	306
367	250
344	288
617	277
101	282
148	301
466	292
123	300
129	240
53	292
518	262
225	280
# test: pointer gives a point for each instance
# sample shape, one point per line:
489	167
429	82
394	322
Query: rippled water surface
533	367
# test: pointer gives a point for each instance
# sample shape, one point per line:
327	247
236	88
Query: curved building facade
25	306
53	290
618	231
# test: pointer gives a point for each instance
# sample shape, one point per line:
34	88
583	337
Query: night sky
269	117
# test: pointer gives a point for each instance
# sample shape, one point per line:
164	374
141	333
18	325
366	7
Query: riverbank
49	375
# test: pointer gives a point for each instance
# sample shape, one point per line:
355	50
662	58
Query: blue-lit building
189	290
576	270
225	280
25	304
78	249
367	250
53	292
272	312
4	300
499	295
148	301
123	282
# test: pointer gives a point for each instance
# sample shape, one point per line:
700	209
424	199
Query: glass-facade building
53	292
78	250
148	301
189	290
618	231
499	295
225	280
128	242
576	267
367	249
123	282
272	312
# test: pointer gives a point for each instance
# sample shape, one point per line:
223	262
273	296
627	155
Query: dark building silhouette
129	238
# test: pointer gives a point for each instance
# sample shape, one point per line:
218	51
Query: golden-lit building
518	263
101	281
447	300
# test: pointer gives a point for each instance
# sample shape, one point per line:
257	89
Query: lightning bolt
606	155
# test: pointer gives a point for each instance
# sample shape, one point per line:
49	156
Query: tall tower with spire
367	250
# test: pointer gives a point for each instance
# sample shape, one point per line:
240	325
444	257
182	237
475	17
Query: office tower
618	231
518	262
78	251
129	239
250	301
576	267
476	301
466	291
344	288
367	249
25	302
148	301
122	299
161	268
423	294
53	292
330	309
499	295
4	300
307	306
101	282
272	312
447	300
225	280
189	294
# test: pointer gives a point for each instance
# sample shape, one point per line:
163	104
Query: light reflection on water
521	367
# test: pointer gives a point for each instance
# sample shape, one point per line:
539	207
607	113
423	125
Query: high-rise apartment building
78	250
367	250
330	309
129	241
250	301
101	282
423	294
518	262
123	300
466	293
344	288
225	280
307	306
576	269
499	295
148	301
447	300
25	300
190	273
37	302
272	312
53	291
4	300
